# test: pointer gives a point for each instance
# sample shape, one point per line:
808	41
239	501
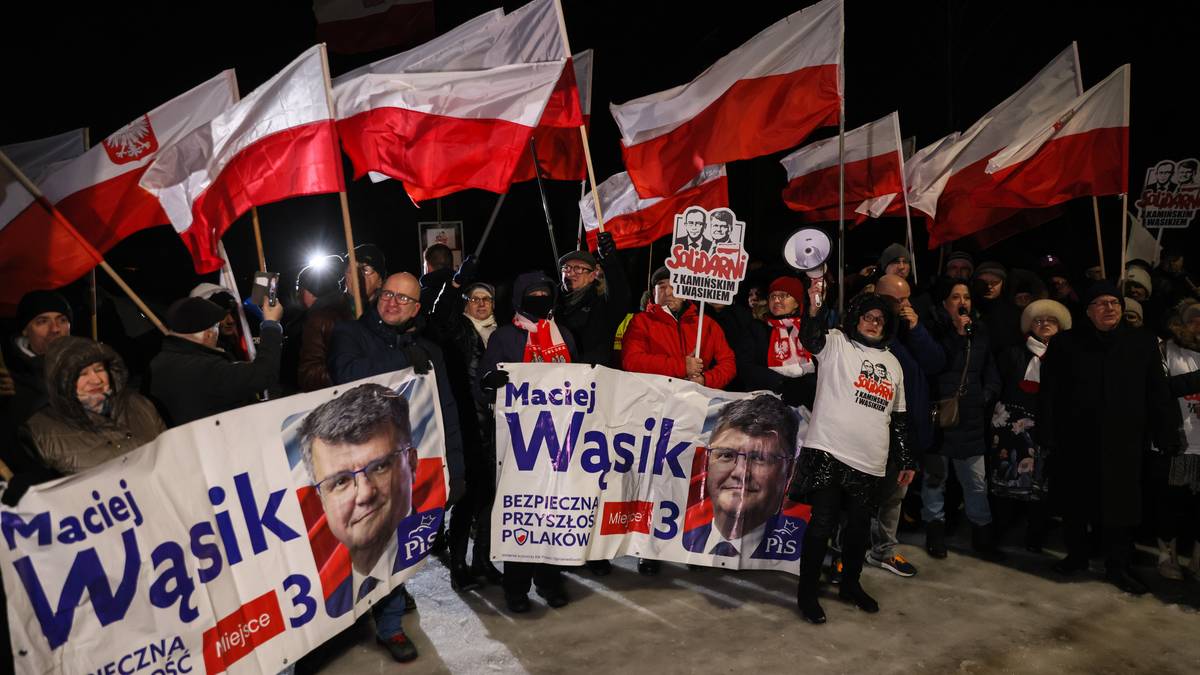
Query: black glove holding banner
494	380
605	246
466	271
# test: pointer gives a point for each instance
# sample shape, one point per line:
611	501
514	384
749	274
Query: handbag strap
962	382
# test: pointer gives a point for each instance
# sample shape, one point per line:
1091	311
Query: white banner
707	259
595	463
211	549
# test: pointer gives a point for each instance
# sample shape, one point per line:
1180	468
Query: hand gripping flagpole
587	152
87	246
346	229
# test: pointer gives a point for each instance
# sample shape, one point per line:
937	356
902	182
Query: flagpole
346	230
1099	241
904	189
649	264
262	259
58	216
537	173
842	206
582	194
587	151
1124	235
699	329
487	231
92	302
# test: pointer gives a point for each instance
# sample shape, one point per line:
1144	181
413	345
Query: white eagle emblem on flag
132	142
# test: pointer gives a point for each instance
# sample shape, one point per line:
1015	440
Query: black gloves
466	271
418	358
605	246
20	483
797	391
494	380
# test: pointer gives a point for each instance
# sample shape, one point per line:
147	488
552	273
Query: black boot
853	592
600	568
935	539
461	578
806	601
983	542
648	567
481	565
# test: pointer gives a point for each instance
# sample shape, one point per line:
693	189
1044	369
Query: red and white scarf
1033	372
545	343
784	354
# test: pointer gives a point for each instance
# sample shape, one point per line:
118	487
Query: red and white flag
1080	150
356	26
444	132
98	191
38	248
559	146
765	96
874	169
276	143
953	178
38	158
634	221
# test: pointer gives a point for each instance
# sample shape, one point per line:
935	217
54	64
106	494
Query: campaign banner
595	463
707	260
236	543
1171	194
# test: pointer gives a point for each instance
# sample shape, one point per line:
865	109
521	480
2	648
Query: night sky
940	63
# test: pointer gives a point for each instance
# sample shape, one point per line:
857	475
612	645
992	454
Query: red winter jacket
656	343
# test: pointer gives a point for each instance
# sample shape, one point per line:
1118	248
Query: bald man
921	357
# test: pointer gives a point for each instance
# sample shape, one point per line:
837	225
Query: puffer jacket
657	343
71	438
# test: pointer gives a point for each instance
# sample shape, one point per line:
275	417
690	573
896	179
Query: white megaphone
807	250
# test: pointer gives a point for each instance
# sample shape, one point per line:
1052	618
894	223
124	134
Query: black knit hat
192	315
582	256
34	303
370	254
659	275
1101	288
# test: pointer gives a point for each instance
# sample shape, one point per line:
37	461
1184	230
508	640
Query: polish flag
1080	150
37	159
38	248
874	169
276	143
357	26
634	221
765	96
953	177
559	146
98	191
444	132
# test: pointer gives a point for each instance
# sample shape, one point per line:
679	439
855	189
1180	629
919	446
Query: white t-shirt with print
858	389
1180	361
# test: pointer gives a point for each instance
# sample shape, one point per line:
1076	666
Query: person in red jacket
662	340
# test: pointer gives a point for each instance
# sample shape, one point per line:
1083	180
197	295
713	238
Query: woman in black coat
967	345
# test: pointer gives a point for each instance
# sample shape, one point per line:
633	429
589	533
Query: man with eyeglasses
589	306
1103	397
358	452
750	456
692	236
997	311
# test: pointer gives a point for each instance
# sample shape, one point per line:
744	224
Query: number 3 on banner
669	520
303	599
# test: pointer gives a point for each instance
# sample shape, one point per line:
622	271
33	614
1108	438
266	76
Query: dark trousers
475	508
518	576
828	504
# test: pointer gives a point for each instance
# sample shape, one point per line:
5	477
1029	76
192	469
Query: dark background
941	63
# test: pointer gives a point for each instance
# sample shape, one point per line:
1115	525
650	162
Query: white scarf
485	328
1033	372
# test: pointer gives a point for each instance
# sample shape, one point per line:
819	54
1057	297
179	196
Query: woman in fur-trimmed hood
92	416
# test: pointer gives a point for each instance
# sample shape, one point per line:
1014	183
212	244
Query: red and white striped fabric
559	146
98	191
276	143
874	169
634	221
1081	150
38	248
38	158
765	96
953	178
357	26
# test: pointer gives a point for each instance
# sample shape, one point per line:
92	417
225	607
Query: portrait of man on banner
744	473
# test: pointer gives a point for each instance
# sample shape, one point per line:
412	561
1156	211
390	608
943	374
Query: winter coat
1103	398
462	348
1003	321
313	370
657	343
28	375
922	359
593	319
431	286
71	438
191	381
968	438
750	340
368	347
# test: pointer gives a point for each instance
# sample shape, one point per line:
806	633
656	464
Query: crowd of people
1030	396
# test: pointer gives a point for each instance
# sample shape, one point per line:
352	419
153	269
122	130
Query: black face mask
537	306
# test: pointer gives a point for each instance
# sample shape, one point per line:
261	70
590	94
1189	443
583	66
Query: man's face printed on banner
1163	172
694	222
746	480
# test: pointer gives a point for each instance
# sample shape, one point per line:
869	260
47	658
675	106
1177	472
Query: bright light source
317	260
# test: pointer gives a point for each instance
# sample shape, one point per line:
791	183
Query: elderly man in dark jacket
386	338
191	378
43	317
1103	397
589	310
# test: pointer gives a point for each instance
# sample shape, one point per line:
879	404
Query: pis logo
521	535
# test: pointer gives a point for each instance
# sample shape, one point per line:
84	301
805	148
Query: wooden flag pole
62	220
92	303
1124	235
1099	240
699	329
912	248
587	151
346	229
262	259
579	237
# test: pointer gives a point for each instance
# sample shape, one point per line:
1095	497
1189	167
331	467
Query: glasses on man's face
480	300
576	269
779	296
876	319
726	458
399	298
345	483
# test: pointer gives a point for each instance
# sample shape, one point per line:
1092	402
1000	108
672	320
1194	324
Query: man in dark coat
1104	396
191	378
590	310
386	338
439	269
992	293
